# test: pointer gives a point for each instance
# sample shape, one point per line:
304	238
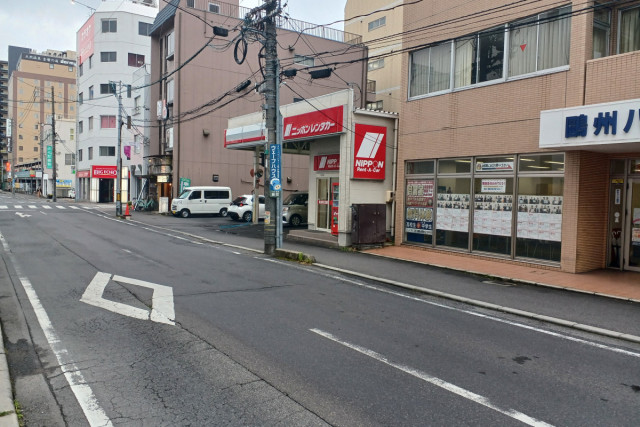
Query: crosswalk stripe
18	206
74	207
32	207
4	207
61	207
47	207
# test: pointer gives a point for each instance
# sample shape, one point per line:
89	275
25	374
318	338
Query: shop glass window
446	166
418	225
452	214
629	30
634	166
539	218
421	167
492	215
430	70
541	163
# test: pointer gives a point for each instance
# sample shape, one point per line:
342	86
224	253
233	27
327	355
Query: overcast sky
52	24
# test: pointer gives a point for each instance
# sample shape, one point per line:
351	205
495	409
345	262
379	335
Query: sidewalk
611	283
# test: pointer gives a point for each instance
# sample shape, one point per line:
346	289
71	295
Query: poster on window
419	220
492	214
453	212
540	217
419	206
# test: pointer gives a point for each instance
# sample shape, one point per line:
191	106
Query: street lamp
82	4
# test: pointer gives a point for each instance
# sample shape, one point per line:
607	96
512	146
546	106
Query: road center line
87	400
435	381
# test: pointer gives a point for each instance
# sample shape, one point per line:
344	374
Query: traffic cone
126	211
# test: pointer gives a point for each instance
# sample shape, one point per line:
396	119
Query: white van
202	200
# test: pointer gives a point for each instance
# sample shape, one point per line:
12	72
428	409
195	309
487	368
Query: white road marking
60	207
435	381
162	306
74	207
496	319
4	207
22	215
87	400
46	207
32	207
17	206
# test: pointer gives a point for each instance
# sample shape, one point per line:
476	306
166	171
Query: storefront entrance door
632	249
323	215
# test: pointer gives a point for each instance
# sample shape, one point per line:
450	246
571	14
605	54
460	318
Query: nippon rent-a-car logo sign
370	152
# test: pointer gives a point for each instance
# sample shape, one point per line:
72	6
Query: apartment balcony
612	78
239	12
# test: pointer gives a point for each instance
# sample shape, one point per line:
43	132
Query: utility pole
272	81
53	141
118	154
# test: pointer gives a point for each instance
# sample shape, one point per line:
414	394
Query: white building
112	46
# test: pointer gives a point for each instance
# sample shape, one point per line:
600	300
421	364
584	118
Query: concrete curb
490	306
8	416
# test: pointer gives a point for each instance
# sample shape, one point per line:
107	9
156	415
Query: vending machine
335	197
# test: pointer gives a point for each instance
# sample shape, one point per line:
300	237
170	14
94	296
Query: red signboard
370	152
326	162
104	171
85	40
315	123
83	174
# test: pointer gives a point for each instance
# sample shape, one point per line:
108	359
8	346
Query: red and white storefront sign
83	174
370	152
326	162
110	172
315	123
245	136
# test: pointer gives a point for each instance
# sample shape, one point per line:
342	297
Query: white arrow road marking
162	307
22	215
434	380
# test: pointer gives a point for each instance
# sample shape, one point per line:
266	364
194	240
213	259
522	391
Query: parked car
294	209
242	208
201	200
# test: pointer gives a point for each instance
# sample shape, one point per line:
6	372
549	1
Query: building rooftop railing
285	23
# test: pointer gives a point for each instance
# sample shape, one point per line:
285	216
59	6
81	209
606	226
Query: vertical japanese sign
419	206
49	157
184	183
85	40
370	152
275	155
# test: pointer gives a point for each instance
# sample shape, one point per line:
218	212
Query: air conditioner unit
389	196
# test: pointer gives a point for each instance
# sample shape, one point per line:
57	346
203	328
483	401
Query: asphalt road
137	323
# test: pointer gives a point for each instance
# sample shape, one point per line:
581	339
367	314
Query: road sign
162	307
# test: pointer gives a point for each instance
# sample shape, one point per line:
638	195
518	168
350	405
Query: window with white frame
430	70
90	123
214	8
191	3
69	159
107	122
107	151
90	153
80	155
143	28
601	32
307	61
108	56
540	42
170	41
135	60
109	25
380	22
375	65
528	46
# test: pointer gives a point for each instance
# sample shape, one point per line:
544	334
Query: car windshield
184	194
238	200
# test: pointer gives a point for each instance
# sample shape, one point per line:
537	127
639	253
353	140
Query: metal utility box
368	224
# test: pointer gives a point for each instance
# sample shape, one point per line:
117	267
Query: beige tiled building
519	132
32	83
382	33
